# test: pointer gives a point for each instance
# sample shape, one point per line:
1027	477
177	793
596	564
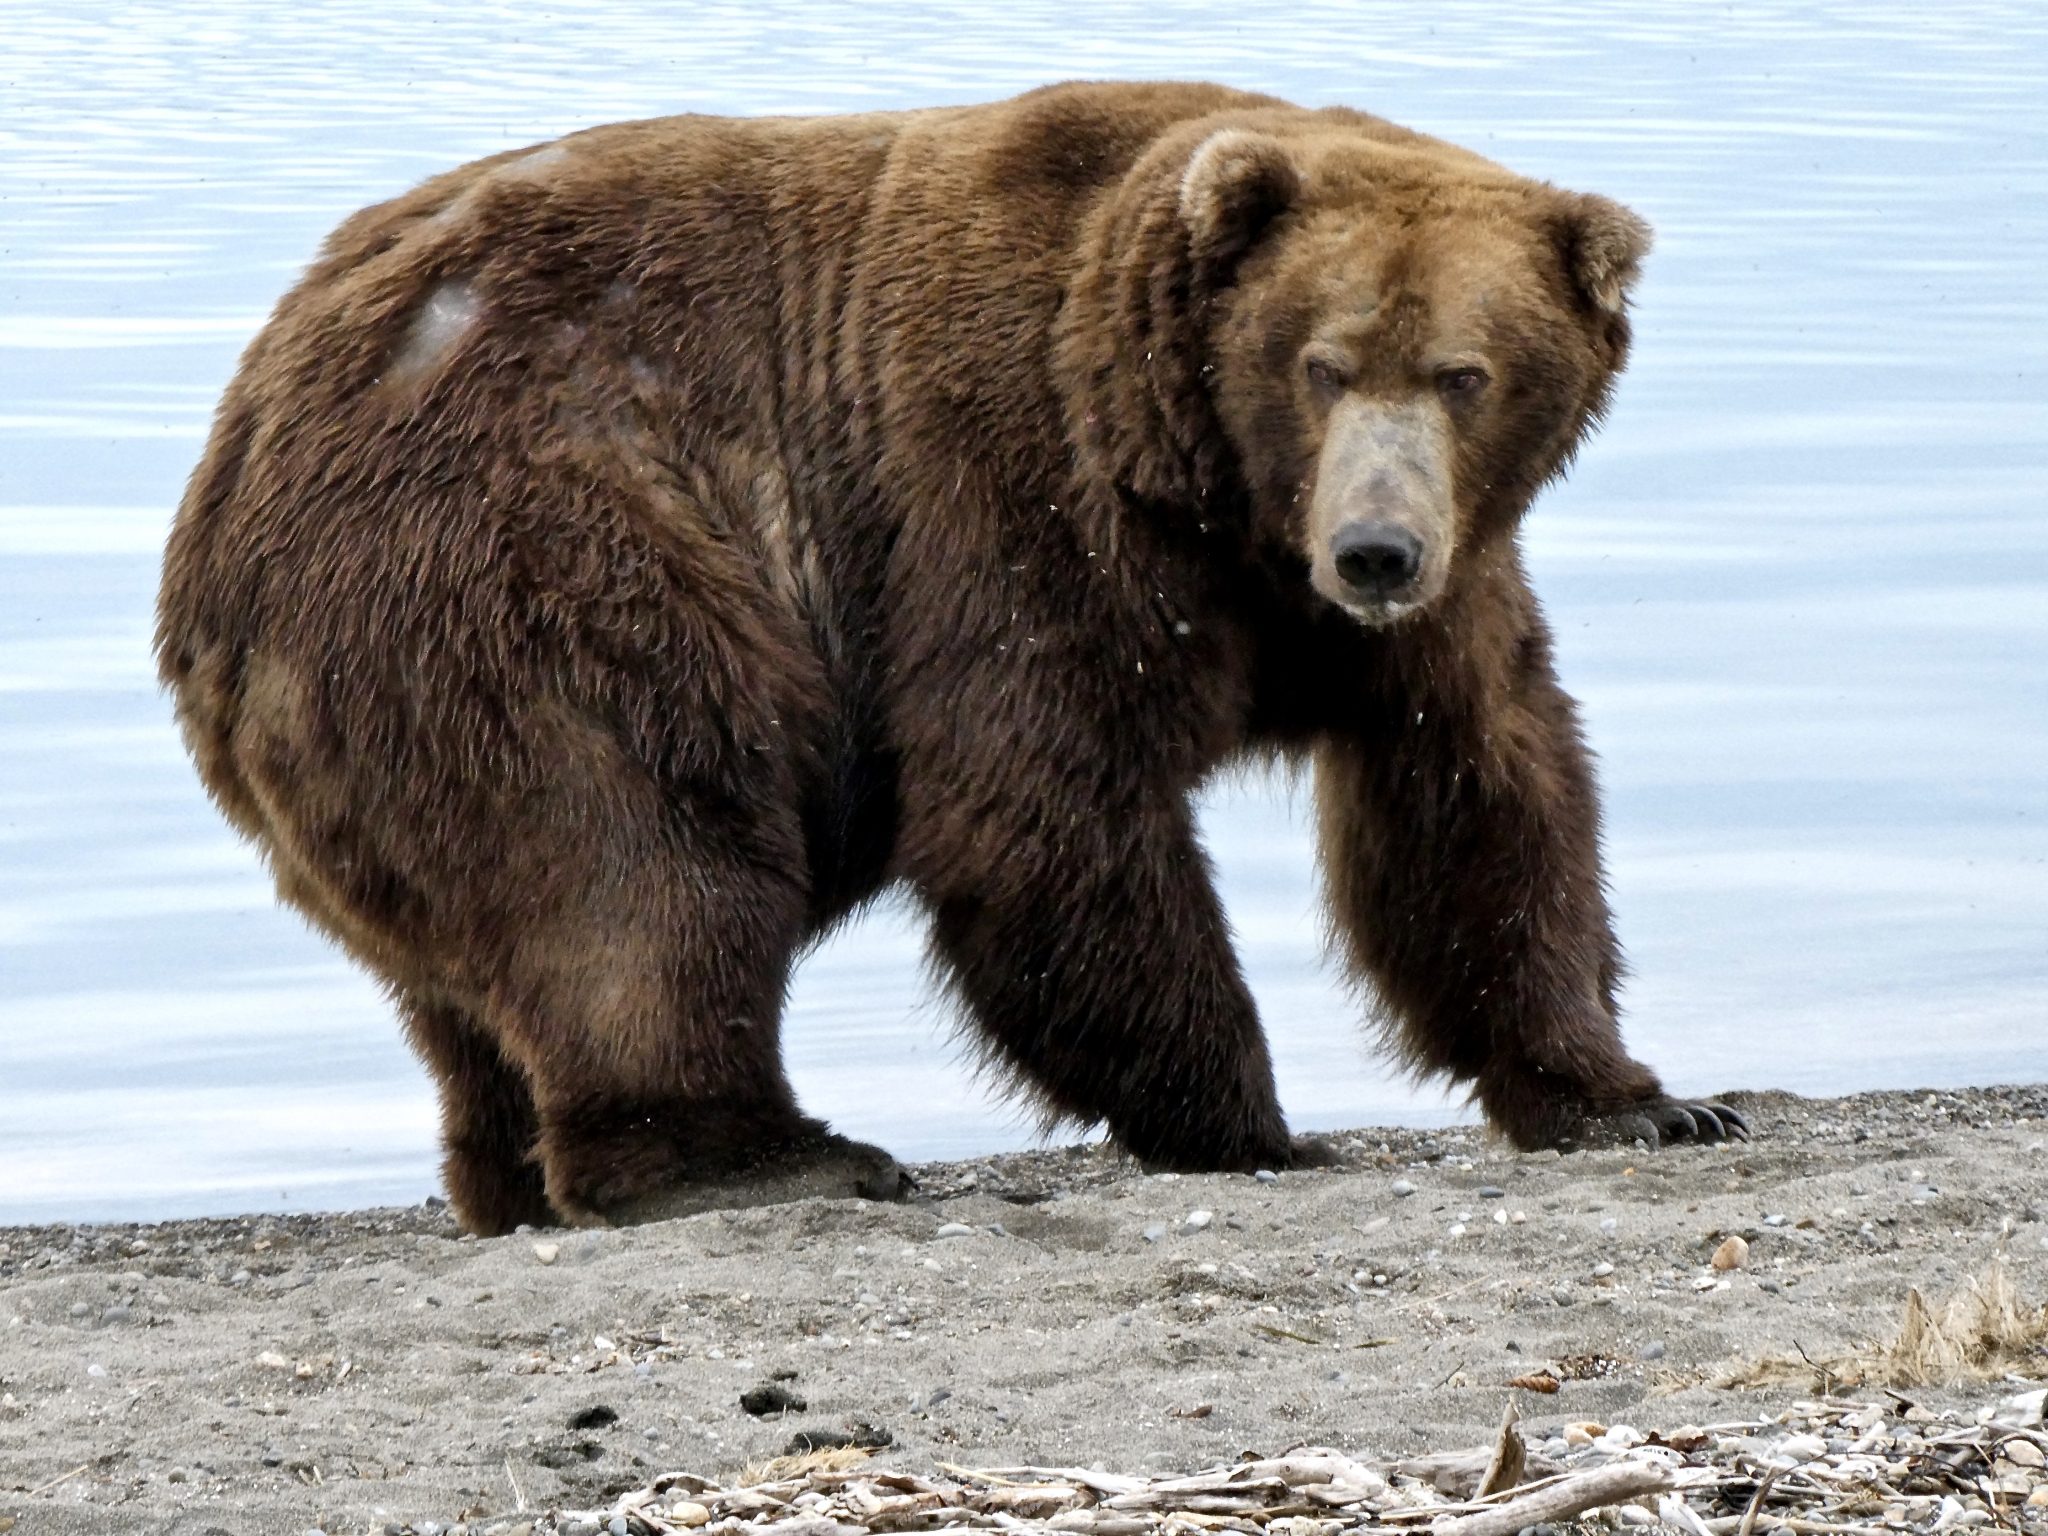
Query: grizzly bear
618	561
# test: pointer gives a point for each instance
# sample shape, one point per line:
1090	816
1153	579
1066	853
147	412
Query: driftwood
1824	1467
1562	1500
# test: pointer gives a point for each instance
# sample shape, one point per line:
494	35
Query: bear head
1381	345
1406	343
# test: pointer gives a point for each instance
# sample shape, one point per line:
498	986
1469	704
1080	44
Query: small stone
1602	1270
1609	1225
954	1229
1653	1350
1492	1192
2023	1453
547	1253
689	1514
96	1371
1777	1220
1154	1233
2024	1410
771	1397
117	1314
1801	1447
1267	1176
428	1528
618	1526
1583	1434
81	1309
1198	1221
1733	1252
1401	1189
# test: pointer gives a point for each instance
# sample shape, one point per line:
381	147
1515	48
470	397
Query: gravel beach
378	1370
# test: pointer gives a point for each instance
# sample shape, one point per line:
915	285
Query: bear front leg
1093	957
1460	847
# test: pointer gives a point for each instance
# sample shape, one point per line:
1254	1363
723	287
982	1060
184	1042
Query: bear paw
823	1166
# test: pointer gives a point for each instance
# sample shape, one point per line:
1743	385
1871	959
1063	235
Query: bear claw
1664	1122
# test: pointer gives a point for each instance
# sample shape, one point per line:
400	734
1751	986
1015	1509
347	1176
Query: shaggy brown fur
616	562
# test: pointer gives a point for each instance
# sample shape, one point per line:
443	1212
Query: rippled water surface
1799	581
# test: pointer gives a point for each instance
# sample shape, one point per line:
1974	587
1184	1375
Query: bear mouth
1381	613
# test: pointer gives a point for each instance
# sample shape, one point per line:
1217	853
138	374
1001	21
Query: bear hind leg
646	1010
489	1126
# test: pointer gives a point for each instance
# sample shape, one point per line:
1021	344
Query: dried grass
1982	1332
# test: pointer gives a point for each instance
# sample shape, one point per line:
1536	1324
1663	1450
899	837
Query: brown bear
616	562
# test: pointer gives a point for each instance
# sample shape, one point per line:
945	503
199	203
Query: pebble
1155	1232
771	1397
618	1526
1267	1176
80	1309
1801	1447
1492	1192
1401	1189
1654	1350
1198	1221
1777	1220
954	1229
1733	1252
1610	1225
547	1253
96	1370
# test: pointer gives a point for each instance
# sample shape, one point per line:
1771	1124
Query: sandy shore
348	1372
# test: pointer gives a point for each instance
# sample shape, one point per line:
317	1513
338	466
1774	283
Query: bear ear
1236	184
1603	245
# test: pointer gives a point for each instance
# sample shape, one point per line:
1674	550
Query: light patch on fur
764	490
536	164
438	327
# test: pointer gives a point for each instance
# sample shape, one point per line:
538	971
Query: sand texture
1062	1308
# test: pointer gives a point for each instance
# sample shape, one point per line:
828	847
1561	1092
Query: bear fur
616	562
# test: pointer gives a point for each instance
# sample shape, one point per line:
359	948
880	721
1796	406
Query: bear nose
1376	559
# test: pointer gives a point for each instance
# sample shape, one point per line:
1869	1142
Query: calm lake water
1801	581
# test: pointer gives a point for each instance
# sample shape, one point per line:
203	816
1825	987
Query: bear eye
1326	373
1461	383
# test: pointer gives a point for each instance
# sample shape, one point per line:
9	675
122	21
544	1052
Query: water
1799	581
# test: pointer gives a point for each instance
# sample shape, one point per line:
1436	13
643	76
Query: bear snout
1378	562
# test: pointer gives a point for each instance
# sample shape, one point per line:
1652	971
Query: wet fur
615	564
